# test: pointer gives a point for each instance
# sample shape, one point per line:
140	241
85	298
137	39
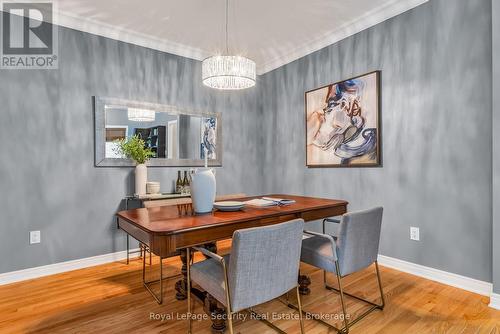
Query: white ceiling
271	32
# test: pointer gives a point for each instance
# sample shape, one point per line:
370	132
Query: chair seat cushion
317	251
209	275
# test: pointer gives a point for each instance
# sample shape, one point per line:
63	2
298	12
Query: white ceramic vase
203	190
141	178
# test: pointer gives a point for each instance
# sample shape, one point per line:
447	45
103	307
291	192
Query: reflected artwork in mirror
178	138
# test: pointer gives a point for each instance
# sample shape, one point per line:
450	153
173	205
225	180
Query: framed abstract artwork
343	123
208	137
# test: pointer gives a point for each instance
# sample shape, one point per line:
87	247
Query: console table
140	200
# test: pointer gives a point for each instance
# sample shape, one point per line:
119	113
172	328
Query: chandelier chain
227	20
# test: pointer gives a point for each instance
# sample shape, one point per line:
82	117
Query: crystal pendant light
141	115
228	72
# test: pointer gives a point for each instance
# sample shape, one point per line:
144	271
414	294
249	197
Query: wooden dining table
170	230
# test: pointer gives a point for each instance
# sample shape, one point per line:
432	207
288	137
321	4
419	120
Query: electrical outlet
415	233
35	237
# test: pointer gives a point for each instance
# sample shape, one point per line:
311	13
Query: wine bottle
178	183
187	189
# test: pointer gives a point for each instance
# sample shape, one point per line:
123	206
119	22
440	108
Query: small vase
141	178
203	190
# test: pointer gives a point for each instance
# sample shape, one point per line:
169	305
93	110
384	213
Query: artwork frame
342	152
208	137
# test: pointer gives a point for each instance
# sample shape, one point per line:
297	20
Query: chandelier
141	115
228	72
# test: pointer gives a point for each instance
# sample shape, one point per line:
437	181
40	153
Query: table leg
304	282
217	314
181	285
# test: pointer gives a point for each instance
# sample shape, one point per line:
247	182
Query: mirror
177	138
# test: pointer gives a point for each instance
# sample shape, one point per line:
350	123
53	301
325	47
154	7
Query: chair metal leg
363	315
159	299
347	324
265	321
228	300
378	306
229	319
147	284
344	310
301	319
297	308
324	271
380	286
188	265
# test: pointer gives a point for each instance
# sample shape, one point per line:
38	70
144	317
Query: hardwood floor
111	299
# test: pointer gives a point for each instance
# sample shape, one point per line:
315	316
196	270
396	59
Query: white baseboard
495	301
458	281
56	268
462	282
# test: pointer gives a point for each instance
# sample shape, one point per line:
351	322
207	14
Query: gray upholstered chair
263	265
355	248
145	248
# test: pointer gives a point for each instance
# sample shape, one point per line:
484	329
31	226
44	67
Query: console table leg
128	248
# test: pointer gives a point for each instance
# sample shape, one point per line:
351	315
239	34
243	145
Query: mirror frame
100	134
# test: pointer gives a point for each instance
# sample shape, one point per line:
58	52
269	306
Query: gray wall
437	138
436	118
47	174
496	145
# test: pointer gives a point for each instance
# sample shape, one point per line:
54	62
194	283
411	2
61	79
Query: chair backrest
358	239
264	263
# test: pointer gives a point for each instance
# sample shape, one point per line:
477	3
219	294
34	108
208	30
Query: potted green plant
135	148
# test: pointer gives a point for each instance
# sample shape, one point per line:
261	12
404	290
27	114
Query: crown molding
390	9
128	36
121	34
370	19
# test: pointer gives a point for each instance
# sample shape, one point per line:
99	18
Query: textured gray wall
496	145
436	118
436	112
47	174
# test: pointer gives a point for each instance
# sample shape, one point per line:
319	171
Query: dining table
170	230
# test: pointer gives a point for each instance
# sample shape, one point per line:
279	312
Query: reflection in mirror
167	135
176	138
